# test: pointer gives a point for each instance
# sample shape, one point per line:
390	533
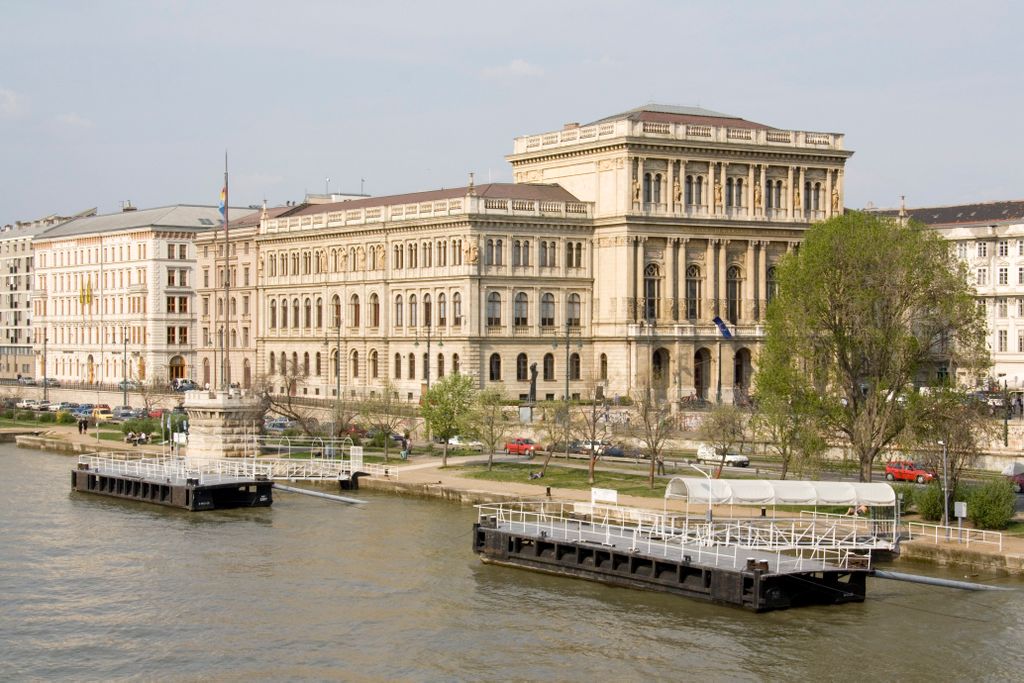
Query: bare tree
554	428
723	428
652	425
287	404
589	424
796	436
489	422
384	413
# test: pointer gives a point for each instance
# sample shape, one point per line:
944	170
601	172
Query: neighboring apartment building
17	358
117	284
240	314
604	263
989	238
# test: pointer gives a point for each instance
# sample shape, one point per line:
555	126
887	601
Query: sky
103	102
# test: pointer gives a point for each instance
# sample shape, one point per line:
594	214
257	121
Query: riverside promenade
423	476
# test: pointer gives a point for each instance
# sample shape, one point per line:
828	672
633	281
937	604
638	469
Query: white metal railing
792	544
938	533
177	470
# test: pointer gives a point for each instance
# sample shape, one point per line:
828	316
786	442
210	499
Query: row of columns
714	290
792	196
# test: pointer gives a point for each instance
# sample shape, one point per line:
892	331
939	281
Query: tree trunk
650	476
444	454
590	468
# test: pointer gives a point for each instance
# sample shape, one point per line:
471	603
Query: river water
98	589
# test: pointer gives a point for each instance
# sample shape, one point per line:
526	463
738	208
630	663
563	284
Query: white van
706	454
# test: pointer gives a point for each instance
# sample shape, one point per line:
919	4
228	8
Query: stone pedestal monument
221	424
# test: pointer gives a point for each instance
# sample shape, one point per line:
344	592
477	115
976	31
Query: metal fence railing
938	533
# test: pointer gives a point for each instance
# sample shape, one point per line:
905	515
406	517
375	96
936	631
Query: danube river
99	589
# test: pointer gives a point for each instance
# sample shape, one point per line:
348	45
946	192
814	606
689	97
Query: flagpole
227	283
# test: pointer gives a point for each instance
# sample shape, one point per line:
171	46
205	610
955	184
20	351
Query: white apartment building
114	295
989	238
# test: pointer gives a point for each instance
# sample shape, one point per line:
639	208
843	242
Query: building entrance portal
701	373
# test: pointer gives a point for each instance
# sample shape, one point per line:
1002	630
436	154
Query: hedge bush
143	425
25	415
7	414
66	418
928	501
47	417
991	505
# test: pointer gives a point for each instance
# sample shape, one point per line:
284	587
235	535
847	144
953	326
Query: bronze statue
533	382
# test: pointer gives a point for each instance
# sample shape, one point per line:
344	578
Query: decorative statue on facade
677	191
718	193
835	199
636	190
344	260
533	382
796	197
360	259
757	195
474	254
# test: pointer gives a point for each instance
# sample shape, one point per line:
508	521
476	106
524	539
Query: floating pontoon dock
757	562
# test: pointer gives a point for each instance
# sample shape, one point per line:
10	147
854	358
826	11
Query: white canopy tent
780	492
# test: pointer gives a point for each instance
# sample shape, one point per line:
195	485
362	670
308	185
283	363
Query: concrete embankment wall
428	490
960	556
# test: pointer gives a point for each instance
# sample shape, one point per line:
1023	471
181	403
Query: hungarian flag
222	204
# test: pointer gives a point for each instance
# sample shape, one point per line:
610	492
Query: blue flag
722	327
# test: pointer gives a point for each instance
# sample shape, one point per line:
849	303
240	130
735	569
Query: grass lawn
565	477
4	422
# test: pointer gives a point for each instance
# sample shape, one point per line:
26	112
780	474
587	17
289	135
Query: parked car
599	446
27	404
50	382
707	454
124	413
908	471
521	446
42	406
614	451
62	407
102	414
184	385
278	424
27	381
468	444
127	385
156	413
560	447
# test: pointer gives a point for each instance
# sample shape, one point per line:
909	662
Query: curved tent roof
779	492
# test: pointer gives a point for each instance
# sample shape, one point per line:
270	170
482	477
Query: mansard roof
965	214
526	191
665	113
177	217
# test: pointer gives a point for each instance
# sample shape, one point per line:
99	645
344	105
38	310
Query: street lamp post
337	364
124	367
709	515
945	487
46	385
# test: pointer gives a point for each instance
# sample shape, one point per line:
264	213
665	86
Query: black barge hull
189	495
750	587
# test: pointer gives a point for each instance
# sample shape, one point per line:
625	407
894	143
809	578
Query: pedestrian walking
661	464
79	426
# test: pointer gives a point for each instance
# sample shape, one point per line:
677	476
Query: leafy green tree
490	424
447	408
784	421
385	413
866	307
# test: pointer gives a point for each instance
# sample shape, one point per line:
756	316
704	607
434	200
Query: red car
1018	482
157	413
521	447
908	471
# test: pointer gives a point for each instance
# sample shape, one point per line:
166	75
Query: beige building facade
605	263
114	295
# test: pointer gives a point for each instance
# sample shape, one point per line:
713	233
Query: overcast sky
102	102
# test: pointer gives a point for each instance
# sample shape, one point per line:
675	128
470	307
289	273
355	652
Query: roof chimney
126	206
572	125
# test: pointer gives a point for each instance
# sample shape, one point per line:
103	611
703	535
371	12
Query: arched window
574	366
398	311
495	367
547	310
543	254
374	310
354	360
273	364
231	307
455	363
489	253
698	190
353	311
516	253
521	307
689	190
604	366
728	192
295	313
373	364
772	286
426	365
273	314
336	364
693	285
284	364
319	364
284	313
306	263
778	194
579	254
574	310
412	310
319	313
427	317
522	374
552	254
295	363
398	366
807	196
526	252
234	338
412	366
309	313
442	310
549	367
733	288
493	309
246	374
272	266
336	311
305	364
440	365
817	196
657	188
295	263
499	253
457	309
652	291
647	188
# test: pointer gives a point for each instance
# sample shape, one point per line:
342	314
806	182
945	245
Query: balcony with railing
678	131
